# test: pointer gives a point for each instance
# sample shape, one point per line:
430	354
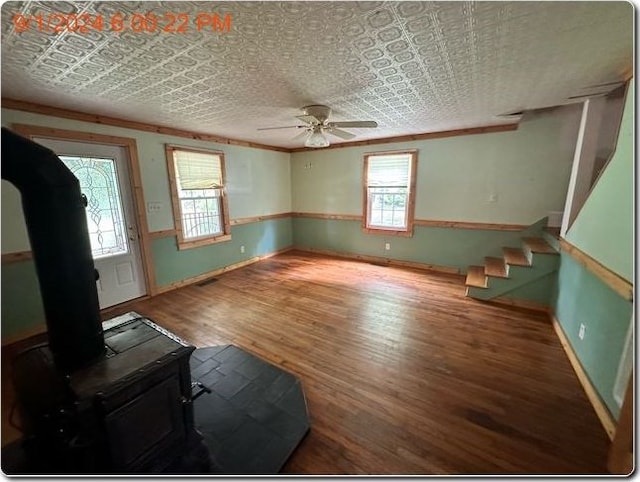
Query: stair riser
527	252
552	240
543	264
535	230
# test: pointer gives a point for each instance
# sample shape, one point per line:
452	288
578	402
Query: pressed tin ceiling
413	67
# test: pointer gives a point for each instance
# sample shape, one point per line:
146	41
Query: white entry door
104	179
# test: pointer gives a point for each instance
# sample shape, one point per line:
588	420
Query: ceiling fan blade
354	124
341	134
309	119
283	127
301	135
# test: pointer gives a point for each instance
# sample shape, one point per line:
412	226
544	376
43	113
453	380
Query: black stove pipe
54	211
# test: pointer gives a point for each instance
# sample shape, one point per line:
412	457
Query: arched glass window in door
99	183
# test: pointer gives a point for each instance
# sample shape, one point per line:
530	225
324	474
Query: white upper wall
258	180
526	171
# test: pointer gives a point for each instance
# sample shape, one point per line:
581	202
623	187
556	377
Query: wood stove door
104	179
147	431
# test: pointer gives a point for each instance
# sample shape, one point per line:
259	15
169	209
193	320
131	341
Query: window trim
411	199
175	200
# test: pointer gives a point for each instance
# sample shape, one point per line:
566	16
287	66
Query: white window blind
197	170
199	194
389	171
388	191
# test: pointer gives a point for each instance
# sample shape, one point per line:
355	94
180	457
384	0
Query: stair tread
539	245
495	267
515	256
476	277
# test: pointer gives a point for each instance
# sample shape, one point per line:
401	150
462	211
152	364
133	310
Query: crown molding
35	108
128	124
417	137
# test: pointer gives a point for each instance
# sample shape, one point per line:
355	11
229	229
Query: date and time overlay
82	23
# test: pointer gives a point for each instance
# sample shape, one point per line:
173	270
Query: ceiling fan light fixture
316	139
317	124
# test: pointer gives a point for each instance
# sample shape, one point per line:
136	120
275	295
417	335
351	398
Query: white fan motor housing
320	112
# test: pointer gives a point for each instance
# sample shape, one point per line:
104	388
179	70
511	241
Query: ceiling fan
316	119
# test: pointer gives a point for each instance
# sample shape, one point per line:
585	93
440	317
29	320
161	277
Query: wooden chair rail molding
130	146
431	223
256	219
16	257
617	283
469	225
165	233
341	217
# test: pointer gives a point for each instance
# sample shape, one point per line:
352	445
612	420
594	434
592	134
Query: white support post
583	160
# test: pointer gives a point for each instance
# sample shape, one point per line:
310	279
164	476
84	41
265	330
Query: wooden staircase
535	259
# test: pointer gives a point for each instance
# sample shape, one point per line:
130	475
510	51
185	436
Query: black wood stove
91	401
129	411
118	397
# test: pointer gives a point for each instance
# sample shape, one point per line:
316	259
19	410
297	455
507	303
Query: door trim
135	178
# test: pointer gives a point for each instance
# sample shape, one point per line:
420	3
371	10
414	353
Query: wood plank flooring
402	373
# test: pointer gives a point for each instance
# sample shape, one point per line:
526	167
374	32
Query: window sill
198	242
389	232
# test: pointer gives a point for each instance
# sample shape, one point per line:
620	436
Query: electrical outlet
387	246
242	249
581	331
154	207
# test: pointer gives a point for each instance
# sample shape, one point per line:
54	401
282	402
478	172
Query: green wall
21	301
455	178
22	305
604	227
258	184
539	291
258	181
514	177
604	230
582	298
452	247
259	238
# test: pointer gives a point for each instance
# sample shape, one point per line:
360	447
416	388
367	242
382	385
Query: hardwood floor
402	373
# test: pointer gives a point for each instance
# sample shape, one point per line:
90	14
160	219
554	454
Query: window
389	192
198	196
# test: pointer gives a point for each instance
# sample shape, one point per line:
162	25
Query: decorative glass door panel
103	172
99	183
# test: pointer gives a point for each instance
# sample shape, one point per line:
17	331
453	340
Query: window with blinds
389	181
197	179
